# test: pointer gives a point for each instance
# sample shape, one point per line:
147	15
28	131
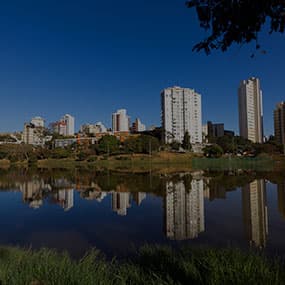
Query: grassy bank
227	163
170	162
151	265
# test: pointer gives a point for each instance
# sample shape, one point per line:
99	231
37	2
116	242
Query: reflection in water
33	192
184	207
121	201
182	196
64	198
255	215
281	198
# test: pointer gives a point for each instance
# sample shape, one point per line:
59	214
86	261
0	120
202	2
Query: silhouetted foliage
236	21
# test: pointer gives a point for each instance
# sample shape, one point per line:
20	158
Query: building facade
93	129
138	126
215	130
250	110
279	123
69	121
180	113
120	121
38	122
65	126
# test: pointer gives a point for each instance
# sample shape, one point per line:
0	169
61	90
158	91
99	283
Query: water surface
115	212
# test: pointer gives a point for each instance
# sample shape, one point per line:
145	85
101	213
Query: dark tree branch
236	21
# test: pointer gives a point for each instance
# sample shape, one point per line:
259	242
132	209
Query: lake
74	210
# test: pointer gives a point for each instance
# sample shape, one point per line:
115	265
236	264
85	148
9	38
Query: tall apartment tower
279	123
250	110
181	112
120	121
69	121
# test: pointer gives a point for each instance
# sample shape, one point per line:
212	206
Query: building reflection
255	216
139	197
184	209
32	192
121	202
281	198
64	198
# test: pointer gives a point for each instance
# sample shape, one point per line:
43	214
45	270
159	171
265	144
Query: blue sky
89	58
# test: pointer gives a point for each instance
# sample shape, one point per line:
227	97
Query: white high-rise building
120	121
181	112
93	129
138	126
250	110
38	122
69	121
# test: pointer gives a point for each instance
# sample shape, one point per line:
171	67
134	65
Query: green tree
142	144
213	151
175	145
108	144
236	21
186	143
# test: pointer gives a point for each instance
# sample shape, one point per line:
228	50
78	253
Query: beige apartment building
250	110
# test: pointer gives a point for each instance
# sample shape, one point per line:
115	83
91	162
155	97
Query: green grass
151	265
260	164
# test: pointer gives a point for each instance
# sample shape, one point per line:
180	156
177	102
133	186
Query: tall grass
151	265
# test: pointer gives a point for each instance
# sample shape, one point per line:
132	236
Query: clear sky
90	57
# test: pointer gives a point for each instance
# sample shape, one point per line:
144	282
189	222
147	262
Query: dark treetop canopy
236	21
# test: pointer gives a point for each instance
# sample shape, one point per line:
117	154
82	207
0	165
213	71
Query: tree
108	144
141	144
175	145
186	143
213	151
236	21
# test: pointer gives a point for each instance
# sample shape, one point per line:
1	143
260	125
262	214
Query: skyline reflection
184	199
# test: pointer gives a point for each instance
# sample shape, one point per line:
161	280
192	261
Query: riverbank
151	265
162	162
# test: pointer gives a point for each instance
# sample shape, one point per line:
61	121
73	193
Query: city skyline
48	66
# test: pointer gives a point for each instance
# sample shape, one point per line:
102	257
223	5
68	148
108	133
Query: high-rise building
65	126
138	126
181	113
279	123
59	128
184	209
215	130
38	122
34	132
120	121
69	121
93	129
255	214
250	110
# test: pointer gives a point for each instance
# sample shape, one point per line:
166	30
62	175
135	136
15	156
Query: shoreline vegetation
149	265
167	161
